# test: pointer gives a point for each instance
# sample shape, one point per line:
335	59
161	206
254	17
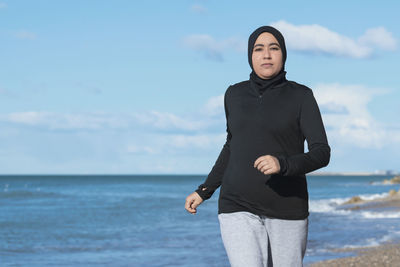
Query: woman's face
267	56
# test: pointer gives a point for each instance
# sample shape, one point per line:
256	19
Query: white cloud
171	144
315	38
198	8
344	109
168	142
304	38
54	121
202	141
126	136
25	35
318	39
353	124
135	148
155	121
379	37
212	48
214	106
167	121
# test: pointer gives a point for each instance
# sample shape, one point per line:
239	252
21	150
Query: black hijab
259	83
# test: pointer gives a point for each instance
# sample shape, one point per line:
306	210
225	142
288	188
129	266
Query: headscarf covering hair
277	34
259	83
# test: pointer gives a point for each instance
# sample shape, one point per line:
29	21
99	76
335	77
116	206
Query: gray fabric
254	241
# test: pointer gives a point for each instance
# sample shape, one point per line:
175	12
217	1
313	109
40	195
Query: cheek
254	60
279	64
257	60
278	59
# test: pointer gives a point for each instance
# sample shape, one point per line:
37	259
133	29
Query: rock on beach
394	180
355	199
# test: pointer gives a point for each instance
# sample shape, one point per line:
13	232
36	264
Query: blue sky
125	87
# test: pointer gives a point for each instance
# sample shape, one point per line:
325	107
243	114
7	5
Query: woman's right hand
192	202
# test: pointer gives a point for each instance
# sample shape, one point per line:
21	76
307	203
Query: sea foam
331	205
380	215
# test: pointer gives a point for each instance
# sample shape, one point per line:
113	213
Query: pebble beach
384	255
387	254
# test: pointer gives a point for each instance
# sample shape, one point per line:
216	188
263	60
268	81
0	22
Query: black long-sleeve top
275	122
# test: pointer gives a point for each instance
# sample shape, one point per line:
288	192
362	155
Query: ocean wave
370	242
28	194
331	205
328	205
373	242
373	196
380	215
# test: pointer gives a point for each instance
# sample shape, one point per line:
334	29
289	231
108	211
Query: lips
266	65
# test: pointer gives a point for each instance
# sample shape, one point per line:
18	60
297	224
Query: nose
267	54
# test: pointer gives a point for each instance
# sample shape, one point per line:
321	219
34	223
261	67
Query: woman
263	202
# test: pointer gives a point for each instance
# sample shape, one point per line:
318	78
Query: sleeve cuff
282	164
204	192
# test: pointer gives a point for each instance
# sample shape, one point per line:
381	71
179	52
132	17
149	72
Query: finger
260	163
263	165
195	205
193	209
273	169
266	170
188	205
260	159
257	161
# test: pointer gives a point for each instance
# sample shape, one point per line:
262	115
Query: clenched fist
192	202
267	164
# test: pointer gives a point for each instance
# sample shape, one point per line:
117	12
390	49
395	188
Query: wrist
203	192
282	164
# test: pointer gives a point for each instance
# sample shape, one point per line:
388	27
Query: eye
258	49
275	48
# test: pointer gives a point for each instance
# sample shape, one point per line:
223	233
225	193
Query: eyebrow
268	45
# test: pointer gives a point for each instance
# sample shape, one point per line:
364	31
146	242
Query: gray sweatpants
254	241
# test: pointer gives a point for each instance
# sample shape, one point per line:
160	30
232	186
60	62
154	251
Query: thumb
194	204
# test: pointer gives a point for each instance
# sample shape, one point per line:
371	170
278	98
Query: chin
268	75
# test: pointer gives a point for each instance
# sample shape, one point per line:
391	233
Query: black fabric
260	85
268	117
277	124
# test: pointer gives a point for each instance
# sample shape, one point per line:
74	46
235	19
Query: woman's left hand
267	164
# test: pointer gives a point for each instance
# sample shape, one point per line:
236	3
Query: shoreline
387	254
391	202
384	254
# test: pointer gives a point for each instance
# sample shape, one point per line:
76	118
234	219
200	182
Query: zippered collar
259	86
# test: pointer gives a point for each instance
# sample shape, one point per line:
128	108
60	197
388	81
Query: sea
140	220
